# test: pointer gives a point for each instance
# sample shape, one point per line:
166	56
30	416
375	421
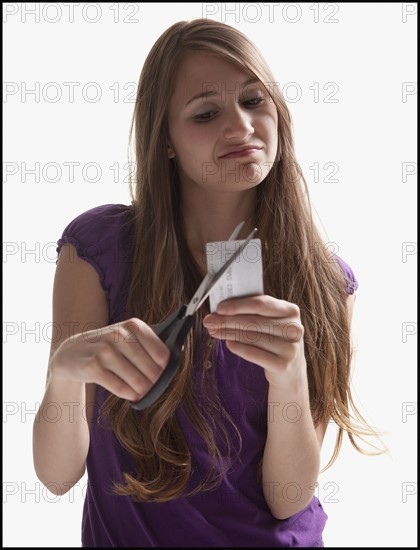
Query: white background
369	213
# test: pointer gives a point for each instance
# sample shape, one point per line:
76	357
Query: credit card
243	278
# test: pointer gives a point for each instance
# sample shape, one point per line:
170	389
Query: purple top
235	514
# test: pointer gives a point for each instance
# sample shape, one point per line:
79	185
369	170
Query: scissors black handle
173	332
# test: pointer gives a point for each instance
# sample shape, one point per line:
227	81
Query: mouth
241	152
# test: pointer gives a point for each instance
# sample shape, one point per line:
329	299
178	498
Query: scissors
174	330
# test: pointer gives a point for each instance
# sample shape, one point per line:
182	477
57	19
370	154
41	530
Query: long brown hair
164	274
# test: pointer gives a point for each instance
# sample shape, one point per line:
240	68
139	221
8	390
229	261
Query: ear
171	153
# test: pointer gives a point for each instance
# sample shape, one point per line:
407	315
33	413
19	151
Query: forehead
200	72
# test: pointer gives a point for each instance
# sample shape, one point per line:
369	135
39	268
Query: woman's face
222	125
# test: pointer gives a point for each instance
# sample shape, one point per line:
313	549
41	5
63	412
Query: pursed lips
241	151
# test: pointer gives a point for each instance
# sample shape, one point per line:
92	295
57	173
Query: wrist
288	382
57	380
288	402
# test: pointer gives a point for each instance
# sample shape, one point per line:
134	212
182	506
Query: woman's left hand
265	331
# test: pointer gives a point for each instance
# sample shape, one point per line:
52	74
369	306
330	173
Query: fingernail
211	327
208	320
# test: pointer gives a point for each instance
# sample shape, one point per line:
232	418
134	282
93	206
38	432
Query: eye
209	115
254	101
204	117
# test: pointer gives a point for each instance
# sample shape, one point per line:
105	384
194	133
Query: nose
238	124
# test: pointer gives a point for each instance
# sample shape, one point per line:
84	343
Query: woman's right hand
126	358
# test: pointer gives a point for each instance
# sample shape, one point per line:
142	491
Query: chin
243	173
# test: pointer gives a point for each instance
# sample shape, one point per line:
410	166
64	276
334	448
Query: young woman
230	453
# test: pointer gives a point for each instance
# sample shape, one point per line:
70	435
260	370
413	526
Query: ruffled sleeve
350	280
103	237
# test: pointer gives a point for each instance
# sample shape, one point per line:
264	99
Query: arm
291	460
291	457
125	358
60	448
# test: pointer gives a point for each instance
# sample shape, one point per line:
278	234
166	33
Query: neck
212	216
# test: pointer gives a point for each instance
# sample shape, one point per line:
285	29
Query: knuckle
135	327
140	386
262	302
122	334
295	310
135	323
92	369
163	355
131	328
120	388
104	352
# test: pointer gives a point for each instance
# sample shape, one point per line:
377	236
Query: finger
265	359
108	359
259	305
114	384
262	341
253	326
133	350
135	330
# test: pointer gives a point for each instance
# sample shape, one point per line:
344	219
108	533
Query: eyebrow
209	93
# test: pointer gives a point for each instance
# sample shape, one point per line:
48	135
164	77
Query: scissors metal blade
236	231
201	289
210	280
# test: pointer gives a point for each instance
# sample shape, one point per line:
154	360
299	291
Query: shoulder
98	222
92	232
352	284
103	236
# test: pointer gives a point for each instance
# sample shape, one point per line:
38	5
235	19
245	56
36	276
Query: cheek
201	135
268	130
194	144
271	120
273	127
190	137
